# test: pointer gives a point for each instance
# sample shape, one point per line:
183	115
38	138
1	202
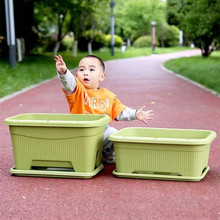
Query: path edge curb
191	81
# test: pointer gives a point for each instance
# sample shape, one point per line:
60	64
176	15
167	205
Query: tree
87	17
135	17
199	19
54	12
81	19
168	35
77	22
177	10
76	16
203	24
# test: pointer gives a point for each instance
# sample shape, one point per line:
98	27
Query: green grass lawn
33	70
205	71
37	68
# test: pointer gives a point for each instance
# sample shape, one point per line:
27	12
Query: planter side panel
160	158
77	148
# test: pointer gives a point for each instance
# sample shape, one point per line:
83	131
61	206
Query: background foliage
199	20
47	24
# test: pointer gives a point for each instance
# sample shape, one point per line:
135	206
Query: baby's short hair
100	60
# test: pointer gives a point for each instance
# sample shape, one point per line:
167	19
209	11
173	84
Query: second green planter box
155	153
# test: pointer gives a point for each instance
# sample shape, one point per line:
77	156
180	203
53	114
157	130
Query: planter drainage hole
204	170
156	173
60	169
50	165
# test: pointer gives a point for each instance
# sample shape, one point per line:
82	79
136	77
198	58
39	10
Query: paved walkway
177	103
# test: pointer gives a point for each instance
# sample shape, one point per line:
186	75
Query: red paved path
138	81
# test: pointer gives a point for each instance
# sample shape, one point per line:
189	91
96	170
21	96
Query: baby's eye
92	70
80	69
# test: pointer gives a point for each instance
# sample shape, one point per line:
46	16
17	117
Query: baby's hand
60	64
144	115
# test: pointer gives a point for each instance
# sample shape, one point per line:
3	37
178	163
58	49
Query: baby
84	96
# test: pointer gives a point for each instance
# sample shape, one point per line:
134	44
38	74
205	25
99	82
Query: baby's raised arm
60	65
66	78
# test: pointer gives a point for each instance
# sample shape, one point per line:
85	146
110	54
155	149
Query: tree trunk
60	22
206	51
56	48
75	48
90	48
93	36
206	47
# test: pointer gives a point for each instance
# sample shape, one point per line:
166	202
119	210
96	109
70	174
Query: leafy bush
135	35
67	43
143	41
118	40
168	35
97	43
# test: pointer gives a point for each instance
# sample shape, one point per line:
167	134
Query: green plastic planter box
169	154
61	145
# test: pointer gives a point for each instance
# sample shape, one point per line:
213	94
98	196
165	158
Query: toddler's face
90	72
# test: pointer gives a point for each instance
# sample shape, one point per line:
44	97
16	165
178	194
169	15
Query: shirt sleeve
127	114
68	82
117	108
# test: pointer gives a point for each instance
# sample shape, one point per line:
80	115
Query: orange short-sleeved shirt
100	101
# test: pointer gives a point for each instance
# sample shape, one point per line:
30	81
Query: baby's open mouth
85	80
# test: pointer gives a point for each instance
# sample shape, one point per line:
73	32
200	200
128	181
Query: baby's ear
103	76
